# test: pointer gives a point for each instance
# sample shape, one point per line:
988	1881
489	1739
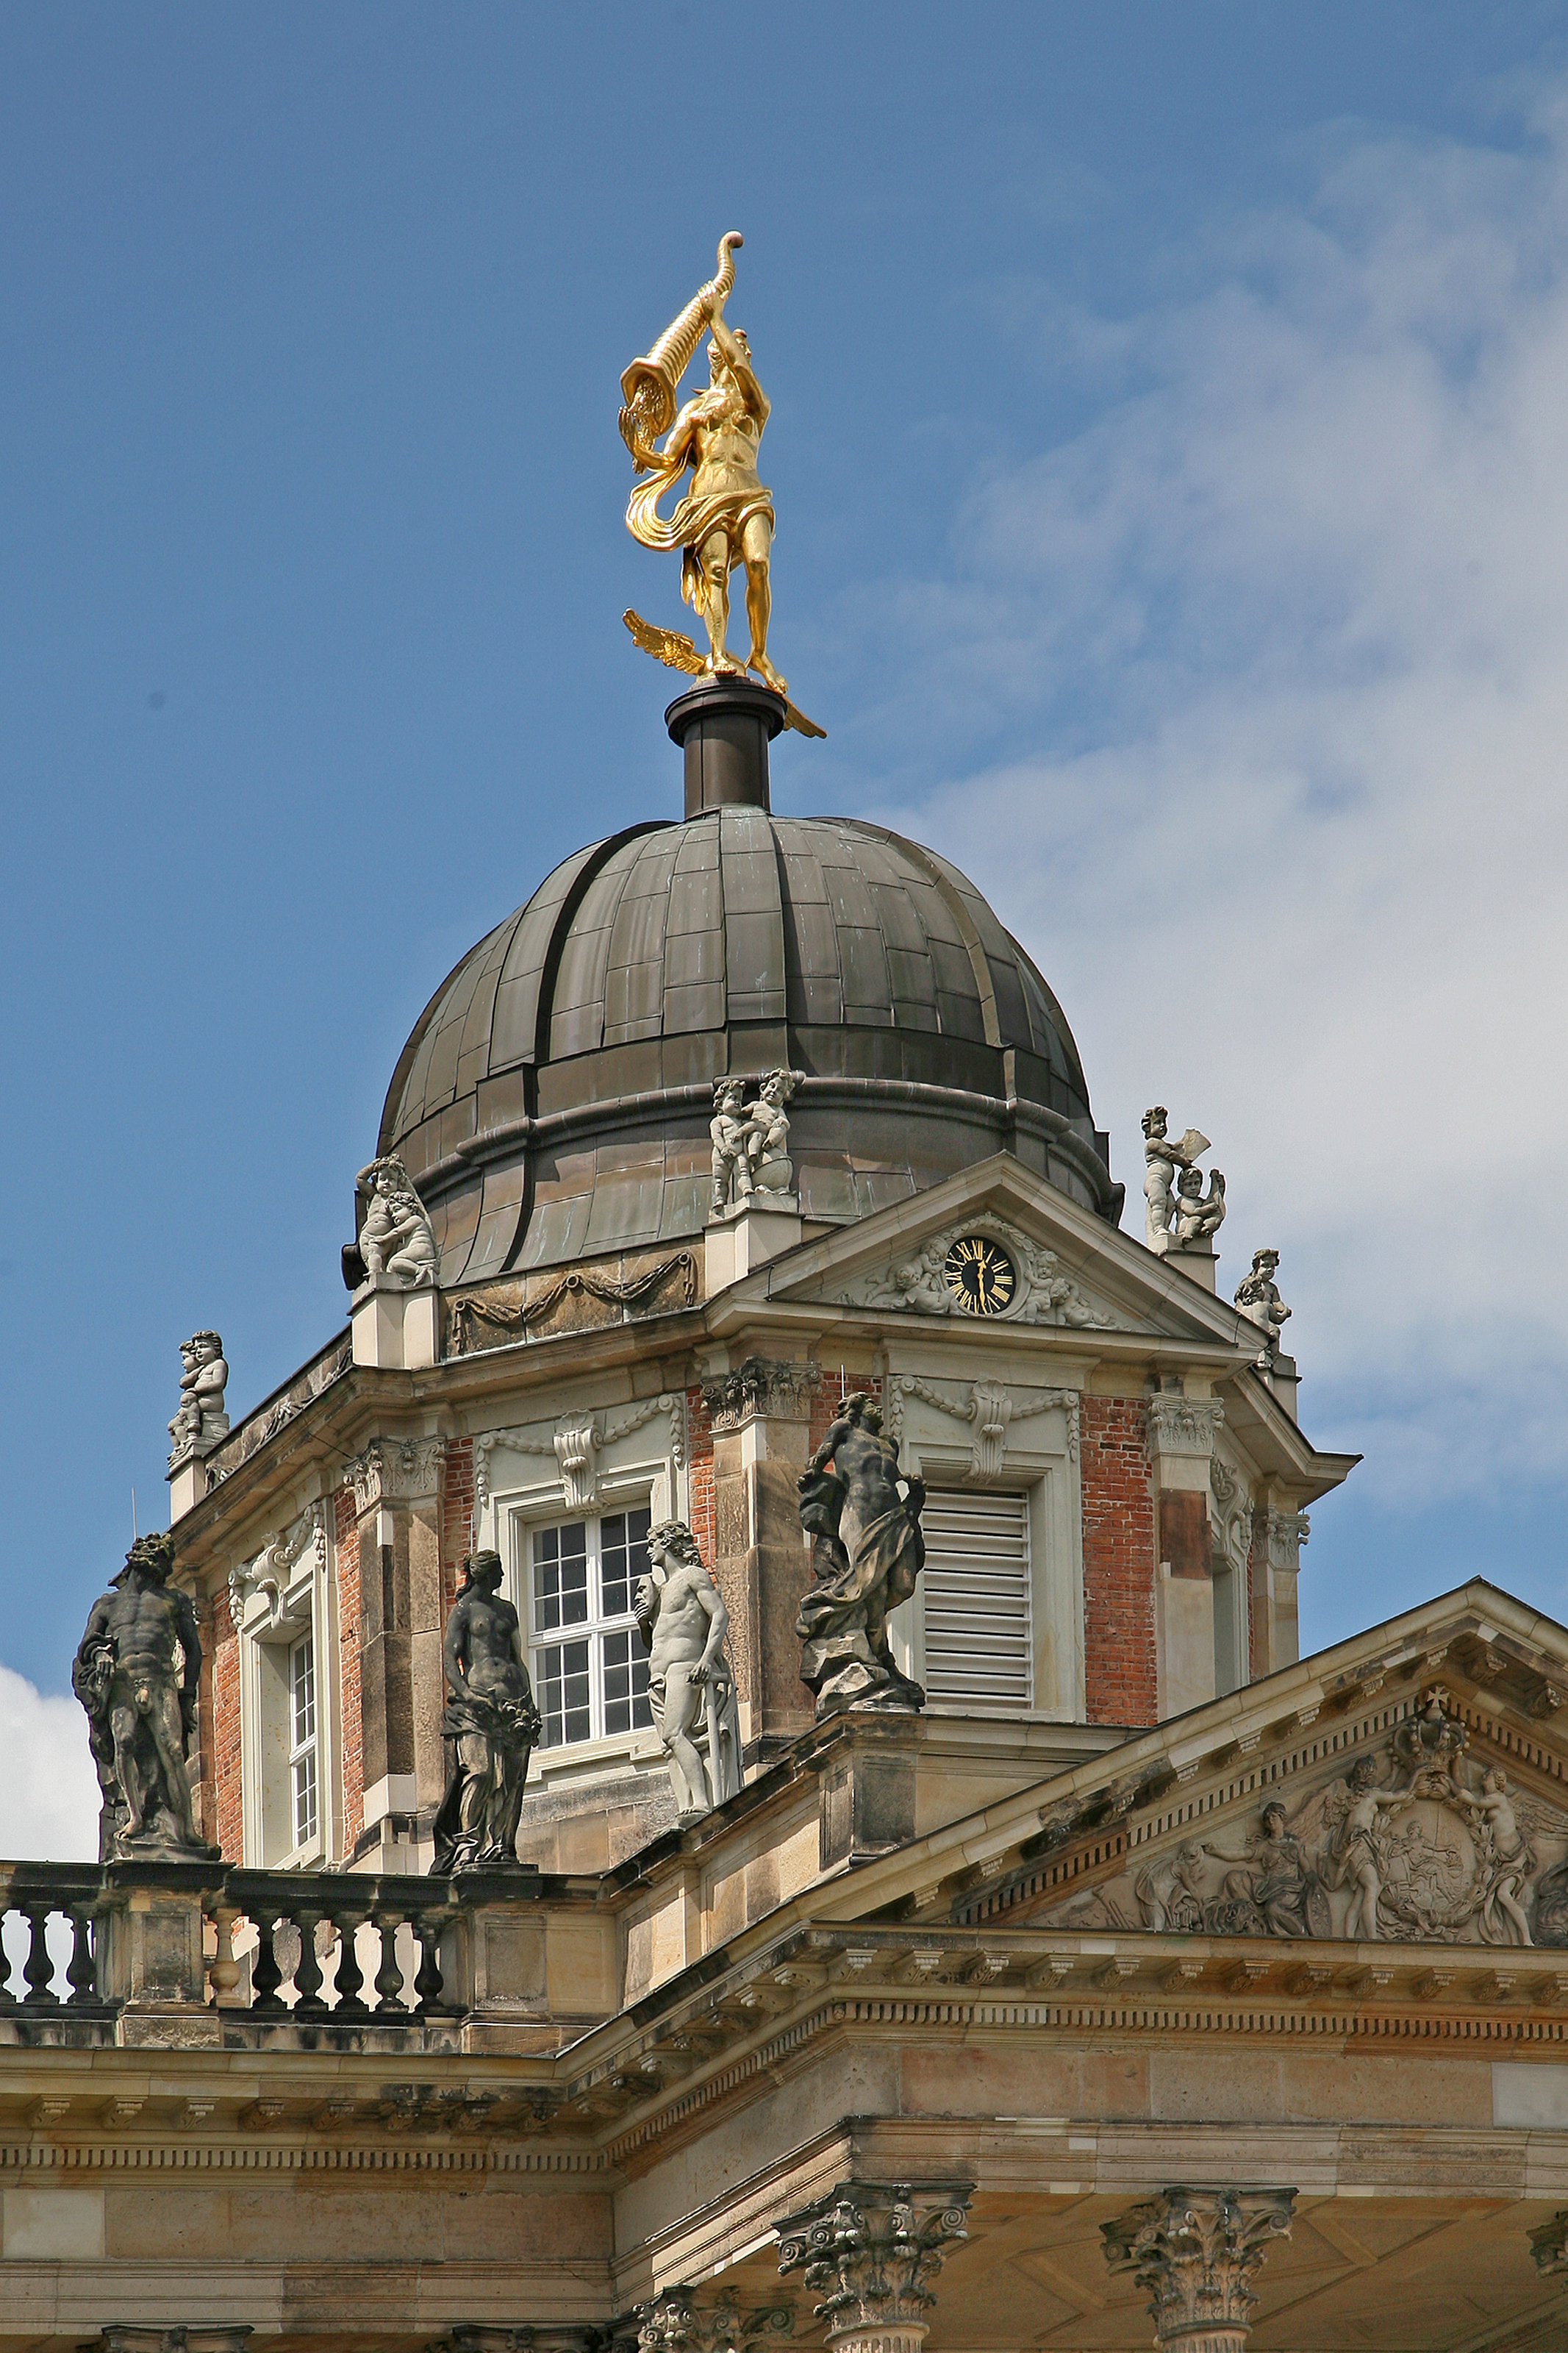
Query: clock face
980	1275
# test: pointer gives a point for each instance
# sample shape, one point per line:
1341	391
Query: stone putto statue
681	1617
395	1240
750	1143
767	1132
729	1129
1170	1222
1258	1299
136	1673
1199	1216
866	1552
199	1417
491	1724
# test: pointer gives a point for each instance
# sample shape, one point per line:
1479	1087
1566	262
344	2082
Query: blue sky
1168	450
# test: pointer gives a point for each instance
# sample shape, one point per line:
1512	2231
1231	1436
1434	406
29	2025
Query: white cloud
1305	590
49	1790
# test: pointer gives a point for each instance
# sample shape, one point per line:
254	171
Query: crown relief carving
574	1442
1411	1841
916	1282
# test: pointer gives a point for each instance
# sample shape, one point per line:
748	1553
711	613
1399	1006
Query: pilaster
396	1484
759	1415
1182	1433
1196	2251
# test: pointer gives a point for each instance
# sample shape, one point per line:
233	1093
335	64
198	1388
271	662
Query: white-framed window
978	1599
302	1764
586	1657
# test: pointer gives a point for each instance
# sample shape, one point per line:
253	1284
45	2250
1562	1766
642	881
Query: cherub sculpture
395	1240
1259	1300
1199	1216
730	1130
767	1132
199	1417
1163	1156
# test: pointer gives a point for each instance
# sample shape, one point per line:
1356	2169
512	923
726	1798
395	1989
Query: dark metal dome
555	1097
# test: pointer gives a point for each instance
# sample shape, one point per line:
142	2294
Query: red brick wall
700	1474
456	1516
222	1713
1121	1667
345	1535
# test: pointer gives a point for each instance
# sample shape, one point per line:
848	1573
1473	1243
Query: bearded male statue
136	1673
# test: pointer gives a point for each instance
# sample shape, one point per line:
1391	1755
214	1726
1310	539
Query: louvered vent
979	1640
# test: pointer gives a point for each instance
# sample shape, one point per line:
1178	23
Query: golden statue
725	518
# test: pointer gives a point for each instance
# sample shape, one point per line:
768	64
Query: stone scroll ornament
490	1725
866	1551
137	1671
682	1619
1178	1214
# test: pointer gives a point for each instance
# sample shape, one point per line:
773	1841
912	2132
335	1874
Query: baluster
427	1985
7	1998
82	1971
389	1976
350	1976
266	1977
308	1976
224	1970
37	1968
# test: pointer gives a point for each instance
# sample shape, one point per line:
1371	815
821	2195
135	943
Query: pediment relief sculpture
952	1272
1415	1840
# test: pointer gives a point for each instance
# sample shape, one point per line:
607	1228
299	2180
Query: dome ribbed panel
515	1034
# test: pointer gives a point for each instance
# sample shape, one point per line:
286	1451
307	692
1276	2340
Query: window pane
561	1688
623	1559
626	1682
560	1577
305	1797
302	1663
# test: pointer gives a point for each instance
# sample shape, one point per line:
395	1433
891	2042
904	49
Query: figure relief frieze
1021	1283
1416	1840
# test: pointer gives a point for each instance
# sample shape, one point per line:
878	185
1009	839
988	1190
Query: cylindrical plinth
724	727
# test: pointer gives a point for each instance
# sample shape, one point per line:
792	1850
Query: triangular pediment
1407	1788
1066	1267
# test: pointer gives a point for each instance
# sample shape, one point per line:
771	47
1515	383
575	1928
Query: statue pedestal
1197	1264
395	1329
188	1478
743	1237
1284	1380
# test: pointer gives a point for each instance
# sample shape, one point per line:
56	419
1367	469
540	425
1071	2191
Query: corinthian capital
677	2322
1195	2252
1549	2245
870	2251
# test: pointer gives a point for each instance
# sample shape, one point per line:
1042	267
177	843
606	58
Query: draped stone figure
866	1552
137	1671
491	1724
